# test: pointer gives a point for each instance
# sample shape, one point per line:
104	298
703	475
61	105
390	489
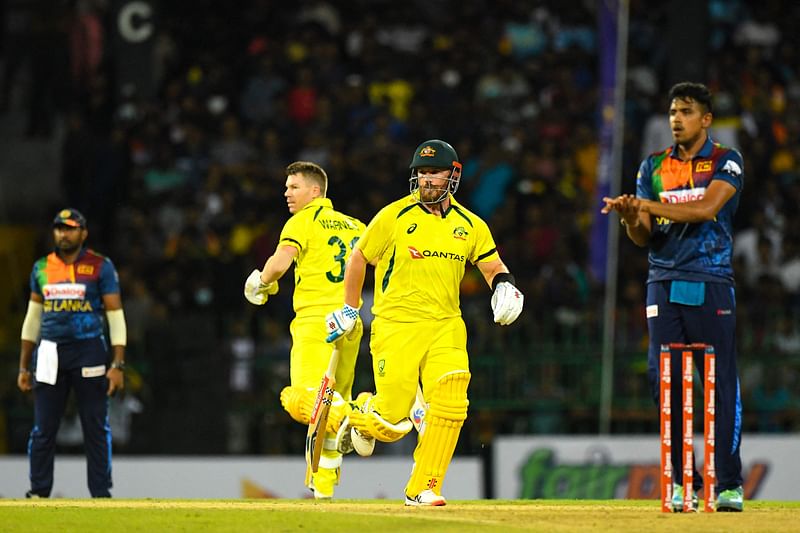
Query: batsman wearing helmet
419	246
318	240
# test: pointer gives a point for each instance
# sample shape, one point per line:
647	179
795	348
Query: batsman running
318	240
419	246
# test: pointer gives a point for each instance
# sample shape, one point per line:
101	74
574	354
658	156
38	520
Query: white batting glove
506	303
341	322
257	292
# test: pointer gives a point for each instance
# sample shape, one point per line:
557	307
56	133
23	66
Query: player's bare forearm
702	210
690	212
636	221
278	263
115	374
639	232
24	379
490	269
354	278
25	354
119	353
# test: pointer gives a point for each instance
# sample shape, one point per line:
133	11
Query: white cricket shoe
426	498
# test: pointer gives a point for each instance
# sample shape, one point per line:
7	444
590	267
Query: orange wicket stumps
686	403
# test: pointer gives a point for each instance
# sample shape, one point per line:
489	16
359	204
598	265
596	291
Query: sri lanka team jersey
324	239
420	258
691	252
73	305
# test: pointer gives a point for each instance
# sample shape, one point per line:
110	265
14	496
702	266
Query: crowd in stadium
184	189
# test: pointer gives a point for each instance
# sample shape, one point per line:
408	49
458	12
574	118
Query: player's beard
68	247
430	195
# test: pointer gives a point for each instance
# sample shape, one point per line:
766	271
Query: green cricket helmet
435	154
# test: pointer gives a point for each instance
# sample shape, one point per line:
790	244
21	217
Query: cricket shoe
731	500
426	498
323	481
677	498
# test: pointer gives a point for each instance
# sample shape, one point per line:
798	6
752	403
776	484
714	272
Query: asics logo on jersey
414	253
411	228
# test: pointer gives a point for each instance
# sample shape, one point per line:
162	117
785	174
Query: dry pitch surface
383	516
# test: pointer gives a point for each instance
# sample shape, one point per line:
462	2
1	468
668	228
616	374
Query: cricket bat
315	437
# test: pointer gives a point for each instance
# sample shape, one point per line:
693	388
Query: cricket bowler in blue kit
686	197
63	334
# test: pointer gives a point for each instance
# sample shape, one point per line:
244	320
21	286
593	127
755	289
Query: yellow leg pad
299	402
374	425
446	415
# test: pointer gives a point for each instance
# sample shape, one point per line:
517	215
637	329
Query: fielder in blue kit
686	197
63	336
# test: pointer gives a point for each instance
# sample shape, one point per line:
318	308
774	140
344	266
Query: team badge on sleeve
732	168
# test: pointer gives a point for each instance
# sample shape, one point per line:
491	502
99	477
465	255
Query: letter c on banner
134	22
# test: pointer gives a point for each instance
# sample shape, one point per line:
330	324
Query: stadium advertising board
617	467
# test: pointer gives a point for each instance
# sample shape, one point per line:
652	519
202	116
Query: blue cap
70	217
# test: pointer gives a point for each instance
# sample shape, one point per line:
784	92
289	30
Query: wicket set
687	404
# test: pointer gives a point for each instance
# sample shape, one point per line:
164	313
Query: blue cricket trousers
713	322
74	360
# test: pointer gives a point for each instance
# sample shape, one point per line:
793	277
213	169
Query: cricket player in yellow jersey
318	240
419	246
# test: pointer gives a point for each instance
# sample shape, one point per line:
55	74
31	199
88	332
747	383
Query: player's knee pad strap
299	402
374	425
446	415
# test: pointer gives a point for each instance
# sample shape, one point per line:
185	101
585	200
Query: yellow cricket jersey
324	239
421	258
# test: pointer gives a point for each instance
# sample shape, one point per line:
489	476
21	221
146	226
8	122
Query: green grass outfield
383	516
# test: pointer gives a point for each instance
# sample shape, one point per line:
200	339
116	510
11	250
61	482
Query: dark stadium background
171	133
